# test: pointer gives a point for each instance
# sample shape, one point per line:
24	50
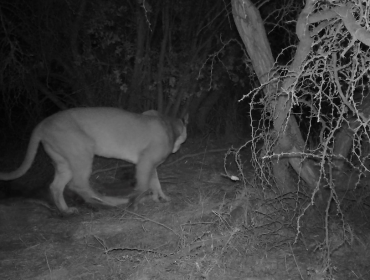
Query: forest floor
194	236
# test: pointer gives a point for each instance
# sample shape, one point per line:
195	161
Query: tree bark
166	30
250	26
286	130
78	72
135	88
290	139
343	143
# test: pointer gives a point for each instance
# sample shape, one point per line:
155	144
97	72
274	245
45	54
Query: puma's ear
152	113
185	119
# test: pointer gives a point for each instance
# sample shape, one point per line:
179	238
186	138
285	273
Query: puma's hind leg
63	174
80	183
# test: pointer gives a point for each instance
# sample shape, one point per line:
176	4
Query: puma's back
113	132
73	137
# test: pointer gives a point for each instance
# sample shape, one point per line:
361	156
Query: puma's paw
155	197
165	198
160	197
70	211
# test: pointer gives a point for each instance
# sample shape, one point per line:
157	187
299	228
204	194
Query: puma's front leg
147	179
155	187
144	170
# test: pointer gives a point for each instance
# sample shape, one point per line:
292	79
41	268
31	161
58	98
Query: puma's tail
30	156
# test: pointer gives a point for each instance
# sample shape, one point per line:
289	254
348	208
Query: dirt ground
209	230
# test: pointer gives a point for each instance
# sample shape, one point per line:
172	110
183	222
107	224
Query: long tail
30	156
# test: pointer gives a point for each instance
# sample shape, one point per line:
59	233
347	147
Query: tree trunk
166	30
290	141
135	87
81	85
250	26
343	143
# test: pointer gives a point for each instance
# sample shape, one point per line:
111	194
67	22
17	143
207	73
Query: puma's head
182	133
178	127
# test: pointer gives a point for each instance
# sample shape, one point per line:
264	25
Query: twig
168	163
296	262
135	249
150	220
213	242
47	262
195	155
110	168
107	250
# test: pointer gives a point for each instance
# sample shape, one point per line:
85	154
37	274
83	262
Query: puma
72	137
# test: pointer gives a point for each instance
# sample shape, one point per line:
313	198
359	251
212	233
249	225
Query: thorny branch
329	96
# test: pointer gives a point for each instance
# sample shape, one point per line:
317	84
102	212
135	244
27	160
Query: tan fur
72	138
